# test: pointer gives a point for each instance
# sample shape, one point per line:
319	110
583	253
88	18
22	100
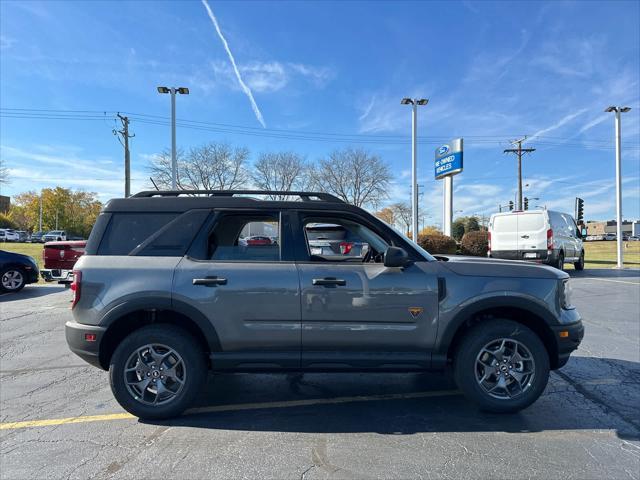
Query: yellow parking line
63	421
232	408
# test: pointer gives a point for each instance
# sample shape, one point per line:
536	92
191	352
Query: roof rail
304	196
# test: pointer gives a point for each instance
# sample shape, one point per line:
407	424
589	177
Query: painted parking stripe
233	408
608	280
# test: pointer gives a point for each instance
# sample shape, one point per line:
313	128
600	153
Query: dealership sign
448	159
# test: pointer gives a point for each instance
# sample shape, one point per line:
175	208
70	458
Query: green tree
458	228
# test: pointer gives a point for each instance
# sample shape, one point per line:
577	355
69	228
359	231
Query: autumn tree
386	215
73	211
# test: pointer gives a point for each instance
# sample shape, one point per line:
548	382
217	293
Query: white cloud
6	42
269	77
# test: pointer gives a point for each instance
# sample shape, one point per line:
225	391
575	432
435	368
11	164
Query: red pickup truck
59	259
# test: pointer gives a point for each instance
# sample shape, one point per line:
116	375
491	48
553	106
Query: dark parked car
16	271
36	237
166	292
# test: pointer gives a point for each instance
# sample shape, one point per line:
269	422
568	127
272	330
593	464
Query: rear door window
245	238
126	231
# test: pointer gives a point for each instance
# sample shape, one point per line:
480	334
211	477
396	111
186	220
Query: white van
542	236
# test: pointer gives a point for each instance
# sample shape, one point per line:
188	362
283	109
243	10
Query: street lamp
414	102
174	163
618	111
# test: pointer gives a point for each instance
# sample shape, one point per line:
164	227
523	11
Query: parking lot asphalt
586	424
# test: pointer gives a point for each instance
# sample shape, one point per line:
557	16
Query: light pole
414	159
618	111
174	162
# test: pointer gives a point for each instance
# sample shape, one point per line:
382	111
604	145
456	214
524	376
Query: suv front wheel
501	365
157	371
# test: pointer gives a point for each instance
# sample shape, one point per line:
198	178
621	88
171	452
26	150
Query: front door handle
329	282
210	281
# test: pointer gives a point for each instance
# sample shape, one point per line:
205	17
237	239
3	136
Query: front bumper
567	337
87	350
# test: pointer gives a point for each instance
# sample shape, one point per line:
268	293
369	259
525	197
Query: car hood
17	257
491	267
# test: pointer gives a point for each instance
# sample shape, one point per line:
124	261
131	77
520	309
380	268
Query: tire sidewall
476	339
184	344
20	287
579	265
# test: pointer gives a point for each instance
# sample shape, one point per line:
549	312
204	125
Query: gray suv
167	292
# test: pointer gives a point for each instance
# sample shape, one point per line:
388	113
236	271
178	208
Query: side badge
415	311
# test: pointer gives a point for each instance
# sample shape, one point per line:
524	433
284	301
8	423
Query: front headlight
566	294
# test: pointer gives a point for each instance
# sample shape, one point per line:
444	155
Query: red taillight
90	337
345	248
489	242
75	287
549	239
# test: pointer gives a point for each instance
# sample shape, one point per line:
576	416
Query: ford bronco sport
167	292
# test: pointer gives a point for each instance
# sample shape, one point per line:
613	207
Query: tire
467	368
186	360
559	264
579	265
12	279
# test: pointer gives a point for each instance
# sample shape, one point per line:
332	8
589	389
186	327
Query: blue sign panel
448	159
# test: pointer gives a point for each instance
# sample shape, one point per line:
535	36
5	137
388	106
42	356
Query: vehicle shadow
323	403
605	273
31	291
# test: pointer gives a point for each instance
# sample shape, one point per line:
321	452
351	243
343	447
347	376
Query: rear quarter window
126	231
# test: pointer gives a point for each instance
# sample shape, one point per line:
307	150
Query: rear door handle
210	281
524	236
329	282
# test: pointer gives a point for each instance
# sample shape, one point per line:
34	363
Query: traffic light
526	203
510	205
579	210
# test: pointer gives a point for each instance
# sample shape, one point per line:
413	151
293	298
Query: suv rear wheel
157	371
501	365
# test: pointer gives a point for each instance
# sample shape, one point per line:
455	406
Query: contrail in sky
244	86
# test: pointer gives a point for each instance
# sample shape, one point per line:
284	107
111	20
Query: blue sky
493	71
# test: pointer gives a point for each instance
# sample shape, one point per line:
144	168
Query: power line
89	115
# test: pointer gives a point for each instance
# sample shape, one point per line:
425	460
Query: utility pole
519	152
127	159
618	136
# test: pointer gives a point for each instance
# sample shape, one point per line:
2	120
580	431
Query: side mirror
395	257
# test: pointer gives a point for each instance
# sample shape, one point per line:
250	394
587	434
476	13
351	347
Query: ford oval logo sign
443	150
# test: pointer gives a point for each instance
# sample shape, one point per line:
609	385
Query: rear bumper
541	256
89	351
54	274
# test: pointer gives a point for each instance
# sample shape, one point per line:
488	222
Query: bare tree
280	171
212	166
354	175
4	173
160	169
402	214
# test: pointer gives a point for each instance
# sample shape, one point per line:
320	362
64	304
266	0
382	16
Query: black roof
184	200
